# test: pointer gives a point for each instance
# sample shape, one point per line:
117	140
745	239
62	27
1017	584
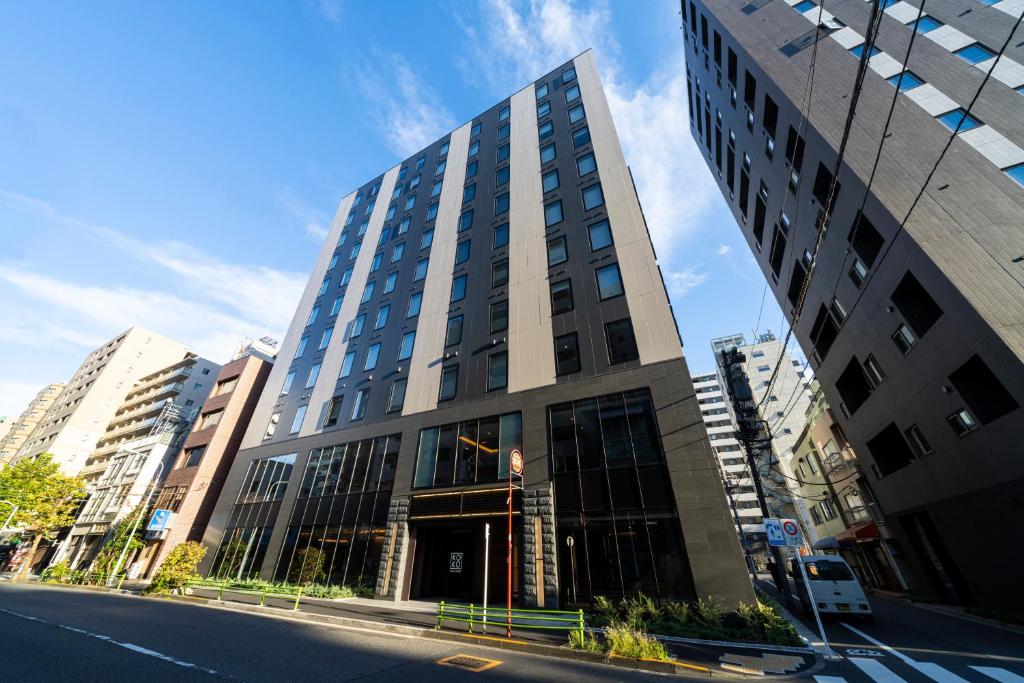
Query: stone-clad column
538	506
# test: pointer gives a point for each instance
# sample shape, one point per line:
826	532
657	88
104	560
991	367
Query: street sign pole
829	654
515	468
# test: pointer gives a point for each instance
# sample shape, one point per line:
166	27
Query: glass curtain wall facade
469	452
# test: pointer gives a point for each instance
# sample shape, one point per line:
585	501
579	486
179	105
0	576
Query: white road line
128	646
876	670
1001	675
932	671
830	679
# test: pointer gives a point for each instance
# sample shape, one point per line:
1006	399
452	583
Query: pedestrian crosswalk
899	671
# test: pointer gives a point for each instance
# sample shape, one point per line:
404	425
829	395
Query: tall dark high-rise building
913	308
496	292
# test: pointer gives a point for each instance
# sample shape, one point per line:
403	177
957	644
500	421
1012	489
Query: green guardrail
263	593
537	619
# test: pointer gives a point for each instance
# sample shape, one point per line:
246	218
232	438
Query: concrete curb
984	621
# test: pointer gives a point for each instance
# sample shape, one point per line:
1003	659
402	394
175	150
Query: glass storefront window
469	452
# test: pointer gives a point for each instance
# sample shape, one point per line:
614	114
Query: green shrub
627	641
178	568
307	567
584	642
58	573
604	611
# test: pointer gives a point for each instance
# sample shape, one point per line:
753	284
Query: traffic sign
783	532
517	462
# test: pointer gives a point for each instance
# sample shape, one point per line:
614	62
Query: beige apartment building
18	431
79	416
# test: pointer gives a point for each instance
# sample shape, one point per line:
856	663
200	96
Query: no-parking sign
783	532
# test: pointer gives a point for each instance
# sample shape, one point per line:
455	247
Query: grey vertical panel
272	390
331	364
531	355
656	335
425	365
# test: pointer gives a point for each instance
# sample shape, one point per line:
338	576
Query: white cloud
723	250
316	222
679	282
409	114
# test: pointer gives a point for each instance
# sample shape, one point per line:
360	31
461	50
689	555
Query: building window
346	364
984	394
586	165
415	301
453	333
503	132
572	93
874	371
382	317
909	82
499	273
916	305
314	373
917	441
314	313
324	285
336	306
499	317
325	338
497	371
580	137
549	181
301	347
546	130
466	220
300	415
398	252
621	342
609	282
406	347
569	74
543	109
432	212
501	236
904	339
471	169
411	201
332	411
561	297
593	197
925	24
288	380
462	252
553	214
470	452
975	53
357	325
858	50
346	277
193	456
501	204
958	117
577	114
558	252
367	292
427	239
439	169
475	130
377	260
359	405
600	235
547	153
962	422
397	398
501	176
389	282
421	270
372	354
468	193
567	354
804	6
503	152
449	383
458	289
542	90
1016	172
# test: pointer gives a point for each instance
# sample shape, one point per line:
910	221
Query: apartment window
466	220
301	349
547	153
415	182
391	212
558	252
553	214
458	289
853	386
543	109
332	411
546	130
577	114
471	169
549	181
621	342
421	270
586	165
904	339
372	355
572	93
362	228
561	297
316	312
389	282
336	306
501	176
958	120
804	6
503	131
499	316
600	235
925	24
567	354
503	152
449	383
300	415
858	272
357	325
837	310
822	185
325	338
406	347
398	252
475	130
609	282
569	74
918	308
223	387
346	277
432	212
503	113
427	238
501	236
1016	172
346	364
917	441
474	148
501	204
382	317
962	422
858	50
314	373
367	292
435	189
324	285
975	53
542	90
593	197
415	301
909	82
378	258
444	149
453	333
497	370
439	169
397	398
499	273
468	193
411	201
462	252
272	425
359	405
982	391
288	381
580	137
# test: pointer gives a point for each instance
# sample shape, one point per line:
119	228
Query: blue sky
175	165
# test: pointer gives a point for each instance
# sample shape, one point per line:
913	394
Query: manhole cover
468	662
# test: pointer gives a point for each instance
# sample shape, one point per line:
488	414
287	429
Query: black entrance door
449	562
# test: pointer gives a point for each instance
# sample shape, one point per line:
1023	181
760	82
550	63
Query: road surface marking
932	671
1001	675
876	670
830	679
128	646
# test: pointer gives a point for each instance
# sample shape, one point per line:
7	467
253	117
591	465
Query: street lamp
14	510
144	504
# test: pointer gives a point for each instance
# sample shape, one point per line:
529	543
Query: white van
833	585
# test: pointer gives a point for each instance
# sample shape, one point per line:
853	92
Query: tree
116	540
47	499
307	566
179	566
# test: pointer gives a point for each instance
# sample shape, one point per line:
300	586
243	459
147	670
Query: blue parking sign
159	520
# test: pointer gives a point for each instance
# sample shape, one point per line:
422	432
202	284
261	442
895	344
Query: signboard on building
517	462
783	532
160	520
455	563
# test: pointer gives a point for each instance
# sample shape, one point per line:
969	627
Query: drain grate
469	663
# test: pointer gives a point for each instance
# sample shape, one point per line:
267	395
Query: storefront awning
864	531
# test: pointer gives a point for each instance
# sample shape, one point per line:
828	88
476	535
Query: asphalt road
52	634
918	645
